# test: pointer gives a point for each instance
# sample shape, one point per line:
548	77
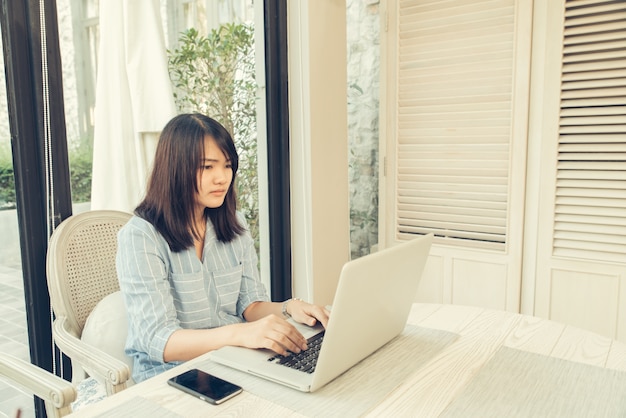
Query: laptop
371	306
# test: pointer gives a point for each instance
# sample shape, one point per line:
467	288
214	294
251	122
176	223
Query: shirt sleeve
252	289
143	277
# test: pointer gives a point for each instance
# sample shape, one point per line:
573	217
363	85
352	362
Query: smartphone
205	386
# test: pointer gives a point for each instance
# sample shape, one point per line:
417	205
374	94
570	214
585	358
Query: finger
275	347
317	313
288	335
281	344
295	337
323	318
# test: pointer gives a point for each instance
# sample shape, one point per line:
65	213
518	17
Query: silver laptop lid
371	305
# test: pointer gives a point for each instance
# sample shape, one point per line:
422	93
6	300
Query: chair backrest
80	264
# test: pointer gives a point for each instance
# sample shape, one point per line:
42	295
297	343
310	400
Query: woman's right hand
272	332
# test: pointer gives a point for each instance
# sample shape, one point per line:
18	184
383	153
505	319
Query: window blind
455	65
590	210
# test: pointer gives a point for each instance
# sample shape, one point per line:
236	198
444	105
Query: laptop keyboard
304	361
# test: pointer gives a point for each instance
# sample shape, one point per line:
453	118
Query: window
455	76
80	58
590	209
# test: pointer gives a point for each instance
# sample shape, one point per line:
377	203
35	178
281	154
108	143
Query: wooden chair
57	394
81	272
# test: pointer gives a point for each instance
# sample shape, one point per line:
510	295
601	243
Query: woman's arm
271	332
143	279
266	328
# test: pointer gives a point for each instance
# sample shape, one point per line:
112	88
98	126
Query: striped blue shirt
166	291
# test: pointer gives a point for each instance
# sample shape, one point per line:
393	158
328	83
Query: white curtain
133	101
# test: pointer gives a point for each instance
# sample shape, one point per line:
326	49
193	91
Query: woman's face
214	176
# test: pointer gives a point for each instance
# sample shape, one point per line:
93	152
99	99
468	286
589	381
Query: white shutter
454	120
590	211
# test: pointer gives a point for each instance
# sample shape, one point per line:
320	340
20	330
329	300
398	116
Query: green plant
7	183
80	176
215	75
80	173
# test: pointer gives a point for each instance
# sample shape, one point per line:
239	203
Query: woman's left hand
306	313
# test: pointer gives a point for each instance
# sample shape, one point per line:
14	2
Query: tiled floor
13	339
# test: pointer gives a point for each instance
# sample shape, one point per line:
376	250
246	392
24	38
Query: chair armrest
102	365
51	388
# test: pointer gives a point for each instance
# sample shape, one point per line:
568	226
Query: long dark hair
170	195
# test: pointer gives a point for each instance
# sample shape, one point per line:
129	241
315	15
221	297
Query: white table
428	391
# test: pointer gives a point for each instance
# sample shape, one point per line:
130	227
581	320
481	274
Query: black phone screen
205	386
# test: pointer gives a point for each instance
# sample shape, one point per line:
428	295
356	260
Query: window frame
22	49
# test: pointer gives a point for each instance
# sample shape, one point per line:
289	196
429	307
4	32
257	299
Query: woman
186	262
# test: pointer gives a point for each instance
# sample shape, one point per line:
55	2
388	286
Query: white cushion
107	327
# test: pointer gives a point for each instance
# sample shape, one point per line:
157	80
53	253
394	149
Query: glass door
224	31
13	328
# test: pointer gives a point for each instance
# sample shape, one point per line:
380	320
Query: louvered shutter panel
590	211
455	78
